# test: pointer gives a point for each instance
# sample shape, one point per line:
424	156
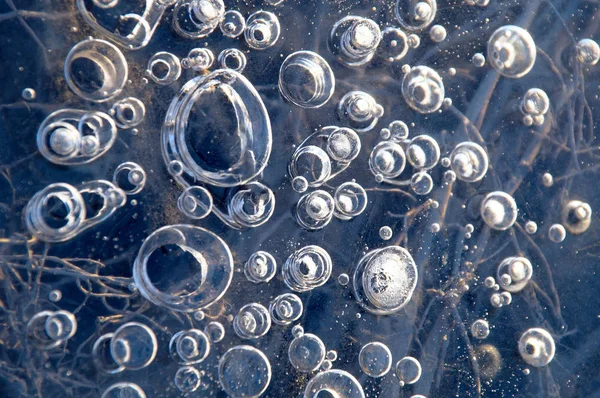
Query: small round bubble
511	51
387	159
437	33
215	331
421	183
557	233
408	370
478	60
536	347
306	353
187	379
385	233
531	227
588	52
480	329
375	359
423	152
499	210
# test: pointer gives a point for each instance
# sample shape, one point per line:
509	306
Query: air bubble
480	329
315	210
133	346
421	183
408	370
124	389
577	217
354	40
489	282
375	359
547	180
102	358
60	325
195	202
312	163
195	19
306	79
413	41
164	68
393	45
188	347
215	331
260	267
343	279
285	309
385	279
588	52
244	371
359	110
307	268
478	60
343	145
187	379
423	152
350	200
232	58
55	296
437	33
496	300
387	159
135	178
535	102
198	59
536	347
262	30
398	131
519	270
415	16
469	161
28	94
232	24
423	89
299	184
557	233
511	51
385	233
252	321
128	112
334	383
531	227
306	352
499	210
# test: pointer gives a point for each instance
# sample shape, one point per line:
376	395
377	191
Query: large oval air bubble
385	279
218	128
201	273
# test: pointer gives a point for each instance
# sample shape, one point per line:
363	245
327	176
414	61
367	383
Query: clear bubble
506	298
195	202
252	321
588	52
199	315
393	45
232	24
415	15
478	60
489	282
531	227
250	205
244	371
164	68
187	379
480	329
128	112
28	94
519	270
260	267
124	389
334	383
299	184
511	51
215	331
350	200
547	180
297	331
423	89
232	58
438	33
130	177
408	370
96	70
576	217
55	296
387	159
307	268
198	59
413	41
557	233
188	347
331	355
535	102
496	300
385	233
61	325
343	145
315	210
312	163
306	352
359	110
469	161
343	279
101	356
306	79
423	152
354	40
398	131
536	347
375	359
195	19
499	210
133	346
36	332
262	30
285	309
449	176
385	279
421	183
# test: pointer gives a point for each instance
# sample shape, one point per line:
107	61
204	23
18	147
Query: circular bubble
312	163
334	383
306	352
511	51
102	357
478	60
252	321
299	184
423	152
360	110
232	58
195	202
188	347
385	232
387	159
124	389
438	33
393	45
385	279
262	30
469	161
557	233
375	359
423	89
260	267
133	345
251	205
315	210
588	52
285	309
61	325
232	24
212	274
135	178
514	273
194	19
350	200
198	59
128	112
244	372
398	131
536	347
408	370
307	268
480	329
415	15
36	331
535	102
354	40
164	68
306	79
215	331
577	217
343	145
499	210
187	379
421	183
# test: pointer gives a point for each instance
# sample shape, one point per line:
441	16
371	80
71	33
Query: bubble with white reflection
244	371
514	273
375	359
499	210
511	51
536	347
